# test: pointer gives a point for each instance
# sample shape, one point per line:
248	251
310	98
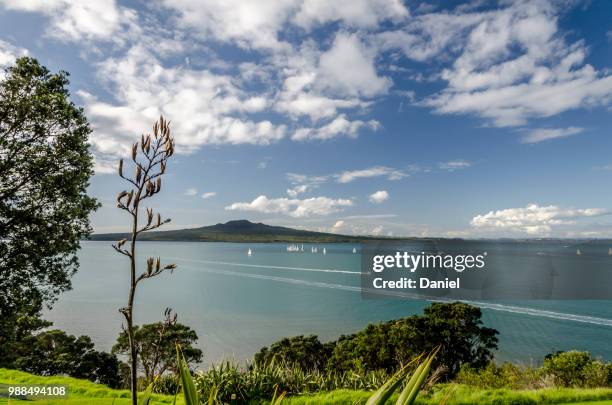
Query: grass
80	392
84	392
463	395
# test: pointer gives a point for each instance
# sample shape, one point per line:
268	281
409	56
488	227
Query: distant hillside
237	231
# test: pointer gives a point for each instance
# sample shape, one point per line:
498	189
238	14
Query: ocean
238	303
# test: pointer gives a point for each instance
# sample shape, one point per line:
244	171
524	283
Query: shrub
507	375
577	369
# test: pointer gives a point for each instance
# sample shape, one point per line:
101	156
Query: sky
381	117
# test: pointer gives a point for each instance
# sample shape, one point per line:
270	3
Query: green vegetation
148	160
54	352
45	167
561	369
80	391
239	231
84	392
455	327
155	347
456	394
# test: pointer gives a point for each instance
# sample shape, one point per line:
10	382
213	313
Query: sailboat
324	251
578	252
249	252
610	252
302	248
355	250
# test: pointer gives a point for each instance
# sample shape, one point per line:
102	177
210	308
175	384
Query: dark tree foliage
45	166
456	327
156	347
56	353
303	350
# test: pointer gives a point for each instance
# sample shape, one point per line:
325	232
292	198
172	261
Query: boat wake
319	284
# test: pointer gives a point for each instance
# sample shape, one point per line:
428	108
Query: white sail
249	252
324	251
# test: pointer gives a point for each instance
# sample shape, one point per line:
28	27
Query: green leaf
415	383
189	389
145	399
383	393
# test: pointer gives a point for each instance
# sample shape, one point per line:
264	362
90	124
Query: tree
45	166
54	352
305	351
156	347
455	327
149	158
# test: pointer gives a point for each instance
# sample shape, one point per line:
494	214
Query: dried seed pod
129	198
134	151
149	265
121	167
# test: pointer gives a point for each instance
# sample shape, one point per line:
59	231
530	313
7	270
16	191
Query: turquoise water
237	304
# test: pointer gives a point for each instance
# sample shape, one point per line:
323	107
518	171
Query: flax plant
149	158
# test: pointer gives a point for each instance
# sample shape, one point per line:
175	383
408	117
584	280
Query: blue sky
468	119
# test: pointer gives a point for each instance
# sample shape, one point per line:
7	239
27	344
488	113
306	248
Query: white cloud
509	64
297	190
303	183
354	13
204	108
379	197
74	20
262	165
293	207
377	230
338	226
347	68
376	171
533	219
257	24
209	194
453	165
545	134
340	126
8	54
191	191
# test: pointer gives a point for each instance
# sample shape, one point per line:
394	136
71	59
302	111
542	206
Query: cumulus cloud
340	126
376	171
191	191
508	64
208	195
205	108
8	54
303	183
257	24
545	134
347	68
377	230
533	219
293	207
297	190
75	20
338	226
379	197
453	165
